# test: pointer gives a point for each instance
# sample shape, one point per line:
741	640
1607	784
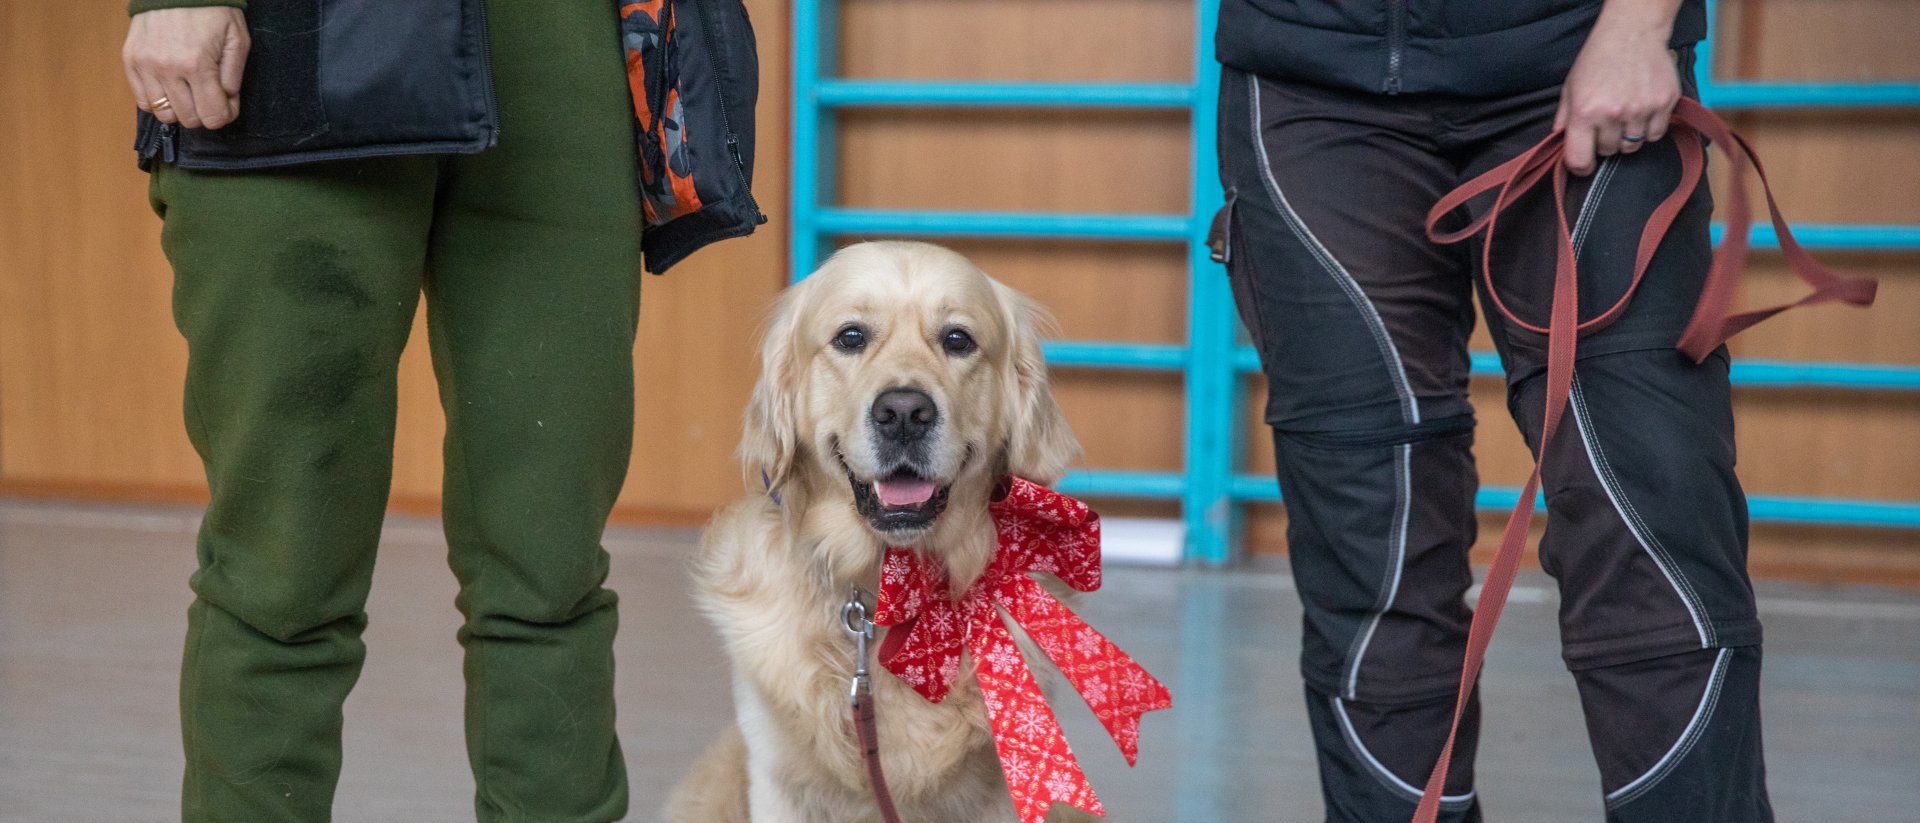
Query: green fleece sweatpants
295	289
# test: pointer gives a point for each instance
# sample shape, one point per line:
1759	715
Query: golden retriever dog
898	384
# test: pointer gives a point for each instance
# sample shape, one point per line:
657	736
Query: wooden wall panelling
91	367
89	363
1055	40
1841	40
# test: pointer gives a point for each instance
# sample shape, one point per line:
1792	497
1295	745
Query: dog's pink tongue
902	492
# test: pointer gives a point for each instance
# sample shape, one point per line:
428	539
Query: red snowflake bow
1040	530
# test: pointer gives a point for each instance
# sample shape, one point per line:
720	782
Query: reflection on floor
93	601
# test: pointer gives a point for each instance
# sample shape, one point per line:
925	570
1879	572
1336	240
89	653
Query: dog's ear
770	443
1040	445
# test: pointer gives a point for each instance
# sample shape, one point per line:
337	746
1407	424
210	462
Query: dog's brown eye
958	342
851	338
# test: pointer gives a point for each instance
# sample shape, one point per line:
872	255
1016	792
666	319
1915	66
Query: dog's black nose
904	415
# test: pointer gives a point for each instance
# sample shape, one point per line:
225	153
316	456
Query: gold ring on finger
162	103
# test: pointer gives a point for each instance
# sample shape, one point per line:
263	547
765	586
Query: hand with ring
185	64
1623	85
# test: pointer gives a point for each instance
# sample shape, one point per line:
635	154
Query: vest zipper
707	22
1396	43
486	71
147	141
157	141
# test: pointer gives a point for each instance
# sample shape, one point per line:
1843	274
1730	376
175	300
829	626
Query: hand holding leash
1622	87
1712	323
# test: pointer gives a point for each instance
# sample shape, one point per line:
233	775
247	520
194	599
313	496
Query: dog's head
899	381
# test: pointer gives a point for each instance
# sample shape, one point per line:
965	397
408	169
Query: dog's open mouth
903	501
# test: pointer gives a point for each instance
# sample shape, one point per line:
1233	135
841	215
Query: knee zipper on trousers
1397	436
1695	729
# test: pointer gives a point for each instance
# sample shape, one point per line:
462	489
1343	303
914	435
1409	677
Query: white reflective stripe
1409	405
1688	737
1380	771
1597	456
1396	562
1629	516
1589	204
1409	409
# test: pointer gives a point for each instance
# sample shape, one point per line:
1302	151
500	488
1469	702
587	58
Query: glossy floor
93	601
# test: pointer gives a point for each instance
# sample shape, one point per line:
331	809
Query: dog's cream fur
772	575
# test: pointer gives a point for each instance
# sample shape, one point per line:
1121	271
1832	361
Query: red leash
859	623
1710	326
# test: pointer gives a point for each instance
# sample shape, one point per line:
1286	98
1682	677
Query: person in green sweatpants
295	288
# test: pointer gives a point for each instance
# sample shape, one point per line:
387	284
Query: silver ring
1633	138
854	616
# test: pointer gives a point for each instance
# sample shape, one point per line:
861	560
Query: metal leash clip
858	622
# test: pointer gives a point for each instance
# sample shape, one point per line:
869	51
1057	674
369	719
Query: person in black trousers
1341	124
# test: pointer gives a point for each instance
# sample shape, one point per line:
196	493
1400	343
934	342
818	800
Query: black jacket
314	92
385	78
1472	48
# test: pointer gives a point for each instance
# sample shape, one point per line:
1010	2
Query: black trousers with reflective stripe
1362	327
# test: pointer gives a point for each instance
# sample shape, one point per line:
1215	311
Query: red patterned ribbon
1040	530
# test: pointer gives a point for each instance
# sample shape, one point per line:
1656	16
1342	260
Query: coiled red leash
1711	325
